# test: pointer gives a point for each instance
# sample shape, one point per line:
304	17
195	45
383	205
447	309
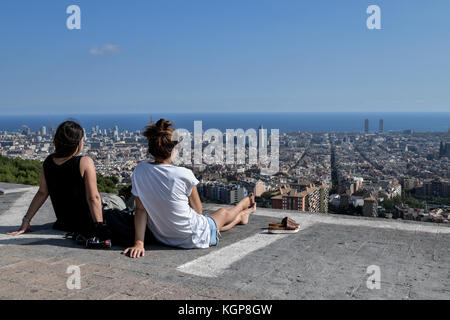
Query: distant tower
43	130
366	125
381	126
261	137
25	130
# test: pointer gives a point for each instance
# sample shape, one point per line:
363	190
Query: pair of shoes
287	225
90	243
96	243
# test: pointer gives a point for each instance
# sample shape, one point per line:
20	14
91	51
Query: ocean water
285	122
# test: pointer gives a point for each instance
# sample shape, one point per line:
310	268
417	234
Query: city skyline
285	122
318	131
350	171
257	56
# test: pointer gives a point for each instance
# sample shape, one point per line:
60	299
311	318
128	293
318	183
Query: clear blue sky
224	55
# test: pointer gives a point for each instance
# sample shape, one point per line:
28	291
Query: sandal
287	225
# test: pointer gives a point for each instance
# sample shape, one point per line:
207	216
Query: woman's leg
242	218
231	216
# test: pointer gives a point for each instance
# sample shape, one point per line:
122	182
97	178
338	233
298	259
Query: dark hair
159	136
67	138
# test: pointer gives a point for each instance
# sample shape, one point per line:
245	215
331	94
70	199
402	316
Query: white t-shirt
164	190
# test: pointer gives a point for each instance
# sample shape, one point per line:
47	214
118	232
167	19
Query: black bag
121	224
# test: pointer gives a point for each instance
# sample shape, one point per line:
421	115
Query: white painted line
215	263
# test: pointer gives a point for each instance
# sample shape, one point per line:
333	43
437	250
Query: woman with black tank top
71	182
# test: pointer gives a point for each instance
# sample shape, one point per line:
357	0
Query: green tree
28	172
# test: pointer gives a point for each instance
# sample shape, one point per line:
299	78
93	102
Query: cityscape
310	158
394	175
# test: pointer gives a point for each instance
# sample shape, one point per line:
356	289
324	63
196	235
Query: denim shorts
214	232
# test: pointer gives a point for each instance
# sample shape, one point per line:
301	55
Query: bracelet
25	219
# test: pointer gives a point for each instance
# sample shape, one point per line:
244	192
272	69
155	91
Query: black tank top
68	195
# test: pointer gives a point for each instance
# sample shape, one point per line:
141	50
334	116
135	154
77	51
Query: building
313	199
262	139
381	126
366	125
370	207
444	149
222	192
259	188
234	195
409	183
26	130
434	188
394	190
324	198
289	199
310	199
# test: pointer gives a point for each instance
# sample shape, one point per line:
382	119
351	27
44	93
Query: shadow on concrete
56	238
41	228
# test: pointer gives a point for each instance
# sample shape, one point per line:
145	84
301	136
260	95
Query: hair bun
163	124
159	136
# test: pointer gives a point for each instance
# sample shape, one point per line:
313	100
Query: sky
141	56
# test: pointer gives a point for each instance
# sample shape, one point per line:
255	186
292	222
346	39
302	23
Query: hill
20	171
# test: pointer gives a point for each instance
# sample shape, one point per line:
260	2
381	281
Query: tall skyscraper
43	130
366	125
261	137
381	126
25	130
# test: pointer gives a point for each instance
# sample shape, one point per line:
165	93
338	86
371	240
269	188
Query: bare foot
246	202
245	215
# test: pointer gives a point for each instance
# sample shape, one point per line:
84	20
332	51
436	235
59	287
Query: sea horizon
284	121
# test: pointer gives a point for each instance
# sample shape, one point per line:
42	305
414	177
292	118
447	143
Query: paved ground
327	259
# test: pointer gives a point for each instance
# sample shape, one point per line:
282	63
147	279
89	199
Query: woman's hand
38	200
140	224
136	251
24	228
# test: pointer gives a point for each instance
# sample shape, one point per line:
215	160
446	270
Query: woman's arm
87	169
36	203
195	202
140	224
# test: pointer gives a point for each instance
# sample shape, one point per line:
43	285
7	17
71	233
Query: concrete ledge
327	259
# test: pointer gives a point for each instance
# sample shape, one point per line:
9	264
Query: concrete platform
327	259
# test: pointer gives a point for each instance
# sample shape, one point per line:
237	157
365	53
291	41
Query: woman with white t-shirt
167	201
